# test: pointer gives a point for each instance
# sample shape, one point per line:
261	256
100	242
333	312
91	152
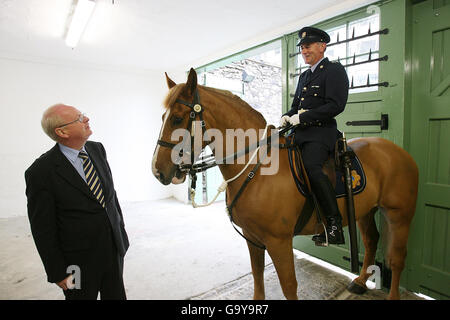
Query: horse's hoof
356	288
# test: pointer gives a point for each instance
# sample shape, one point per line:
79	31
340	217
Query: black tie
92	178
307	75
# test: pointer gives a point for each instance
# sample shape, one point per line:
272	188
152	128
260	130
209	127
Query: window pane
256	79
360	49
337	51
357	51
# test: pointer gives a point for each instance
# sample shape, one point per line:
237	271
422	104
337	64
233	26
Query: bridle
196	112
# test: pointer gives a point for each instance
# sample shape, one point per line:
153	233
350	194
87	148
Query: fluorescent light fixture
80	18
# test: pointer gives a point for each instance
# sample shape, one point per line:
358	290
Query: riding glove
284	121
295	119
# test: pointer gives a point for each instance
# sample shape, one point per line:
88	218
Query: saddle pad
358	180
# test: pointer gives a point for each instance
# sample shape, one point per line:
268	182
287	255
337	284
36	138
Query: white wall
125	109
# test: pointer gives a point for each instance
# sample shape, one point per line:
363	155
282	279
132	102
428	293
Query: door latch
383	122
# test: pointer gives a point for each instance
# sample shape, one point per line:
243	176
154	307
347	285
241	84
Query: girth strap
250	176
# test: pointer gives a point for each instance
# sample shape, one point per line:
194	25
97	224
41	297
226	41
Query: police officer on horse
321	94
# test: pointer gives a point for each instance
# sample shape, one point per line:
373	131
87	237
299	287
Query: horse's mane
245	106
175	92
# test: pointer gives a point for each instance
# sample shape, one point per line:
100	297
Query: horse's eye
176	121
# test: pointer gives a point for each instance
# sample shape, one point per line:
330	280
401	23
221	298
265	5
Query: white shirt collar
313	67
71	154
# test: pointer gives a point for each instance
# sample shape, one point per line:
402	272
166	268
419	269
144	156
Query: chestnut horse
269	207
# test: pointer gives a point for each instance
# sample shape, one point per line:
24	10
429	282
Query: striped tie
92	178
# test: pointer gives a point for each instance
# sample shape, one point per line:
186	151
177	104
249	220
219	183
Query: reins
224	184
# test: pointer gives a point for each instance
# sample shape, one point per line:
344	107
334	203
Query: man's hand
67	283
294	120
284	121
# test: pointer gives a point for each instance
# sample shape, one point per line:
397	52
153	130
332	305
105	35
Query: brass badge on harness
197	108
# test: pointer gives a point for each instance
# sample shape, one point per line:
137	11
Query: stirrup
320	243
326	243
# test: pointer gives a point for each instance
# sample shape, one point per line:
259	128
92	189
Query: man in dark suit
321	94
74	213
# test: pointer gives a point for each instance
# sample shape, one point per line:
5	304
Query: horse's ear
191	83
169	81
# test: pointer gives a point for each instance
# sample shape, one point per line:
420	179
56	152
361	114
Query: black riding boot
326	196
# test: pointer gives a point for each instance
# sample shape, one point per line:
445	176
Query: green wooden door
429	246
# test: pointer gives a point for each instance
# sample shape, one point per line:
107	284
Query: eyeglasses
80	119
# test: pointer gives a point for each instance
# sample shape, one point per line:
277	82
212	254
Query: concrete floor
176	252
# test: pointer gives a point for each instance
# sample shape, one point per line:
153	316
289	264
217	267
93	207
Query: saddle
332	168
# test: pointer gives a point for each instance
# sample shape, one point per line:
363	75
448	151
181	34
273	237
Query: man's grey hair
50	121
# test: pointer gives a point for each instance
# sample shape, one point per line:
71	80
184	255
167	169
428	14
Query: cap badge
303	34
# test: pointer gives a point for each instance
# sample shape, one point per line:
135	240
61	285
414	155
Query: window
256	78
360	49
355	51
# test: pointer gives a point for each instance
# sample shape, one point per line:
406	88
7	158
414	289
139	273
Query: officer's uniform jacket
323	96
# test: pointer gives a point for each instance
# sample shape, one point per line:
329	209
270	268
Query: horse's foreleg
257	261
370	236
281	252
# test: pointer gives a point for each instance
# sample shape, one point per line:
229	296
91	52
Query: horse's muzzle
176	177
162	178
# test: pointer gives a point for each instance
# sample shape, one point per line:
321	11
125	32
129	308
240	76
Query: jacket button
315	94
302	99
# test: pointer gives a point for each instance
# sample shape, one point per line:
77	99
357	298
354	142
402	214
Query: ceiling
152	34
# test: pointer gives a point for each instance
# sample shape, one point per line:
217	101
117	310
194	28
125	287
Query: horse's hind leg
370	236
281	252
399	223
257	262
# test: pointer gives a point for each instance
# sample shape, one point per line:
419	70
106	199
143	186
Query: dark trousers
314	155
101	271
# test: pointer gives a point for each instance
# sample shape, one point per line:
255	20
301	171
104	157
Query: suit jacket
324	95
64	215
